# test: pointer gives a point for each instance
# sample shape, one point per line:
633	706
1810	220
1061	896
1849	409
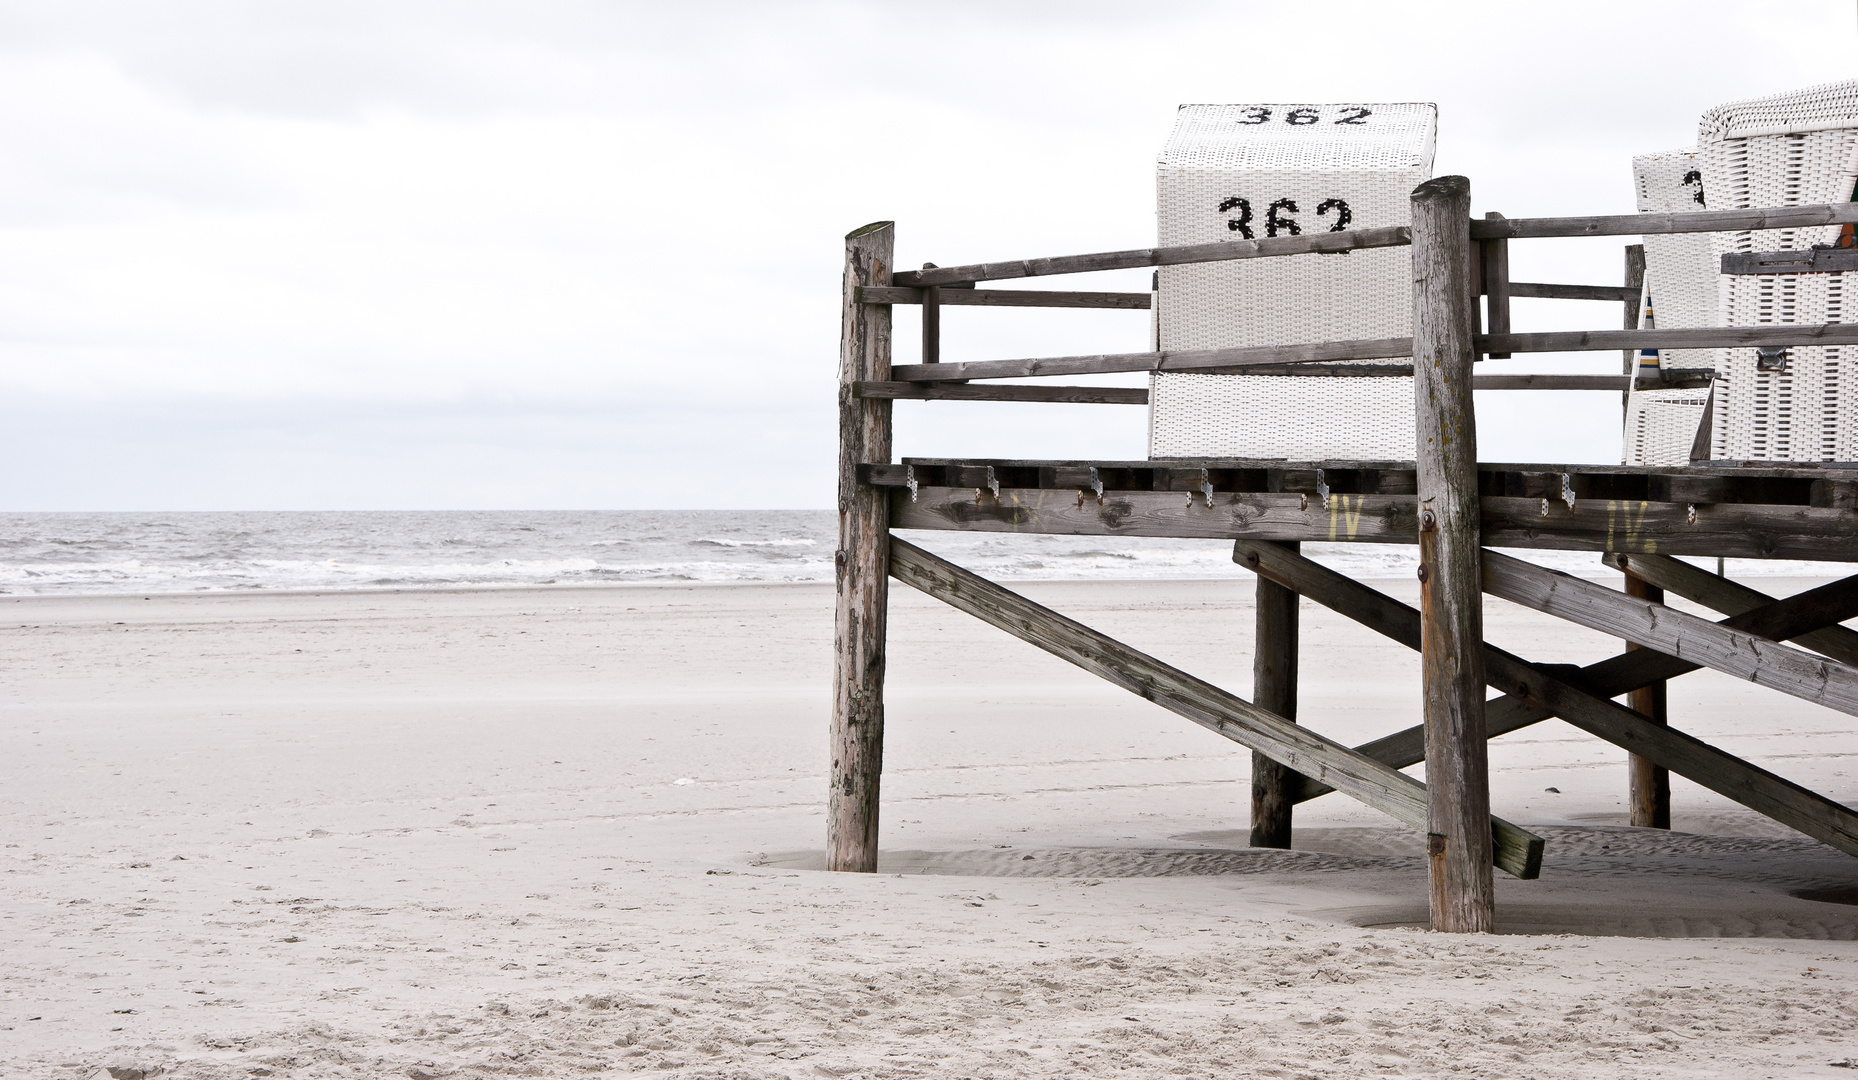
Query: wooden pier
1443	500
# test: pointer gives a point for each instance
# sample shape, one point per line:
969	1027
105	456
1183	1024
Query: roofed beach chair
1233	172
1792	149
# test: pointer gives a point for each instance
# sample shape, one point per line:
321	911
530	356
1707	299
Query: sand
547	832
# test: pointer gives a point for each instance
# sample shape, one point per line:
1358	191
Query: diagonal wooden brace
1748	656
1543	688
1800	617
1732	598
1388	790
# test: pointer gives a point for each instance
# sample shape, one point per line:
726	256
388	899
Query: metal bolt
1427	522
1422	572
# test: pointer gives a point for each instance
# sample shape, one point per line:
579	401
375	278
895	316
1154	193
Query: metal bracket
993	482
1322	488
1770	359
909	480
1096	484
1567	490
1206	488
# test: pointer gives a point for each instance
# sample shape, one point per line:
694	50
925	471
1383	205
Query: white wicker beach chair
1680	268
1232	172
1661	425
1787	150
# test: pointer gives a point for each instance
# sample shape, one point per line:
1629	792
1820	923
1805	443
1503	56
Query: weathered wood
862	574
1709	337
1746	656
1732	529
1801	261
1648	786
1087	395
1451	603
1387	790
1548	382
1222	251
1544	291
1792	618
1274	689
1785	217
1635	281
1700	444
1545	689
1131	301
932	321
1733	598
1121	395
1179	360
1494	262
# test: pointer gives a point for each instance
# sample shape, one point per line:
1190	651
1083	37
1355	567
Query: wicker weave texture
1680	268
1788	150
1661	426
1231	172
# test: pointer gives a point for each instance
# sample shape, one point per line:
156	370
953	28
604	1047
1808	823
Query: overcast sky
416	255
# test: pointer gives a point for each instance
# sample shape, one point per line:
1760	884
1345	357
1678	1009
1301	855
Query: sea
104	553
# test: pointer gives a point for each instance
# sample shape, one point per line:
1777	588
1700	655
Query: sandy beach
553	831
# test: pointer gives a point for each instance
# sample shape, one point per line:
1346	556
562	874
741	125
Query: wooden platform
1744	511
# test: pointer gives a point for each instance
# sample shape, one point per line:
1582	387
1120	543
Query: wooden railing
935	287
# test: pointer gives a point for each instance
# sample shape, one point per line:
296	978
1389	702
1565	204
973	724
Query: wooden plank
1201	360
1733	598
1494	262
1786	217
1087	395
1792	618
1733	652
1712	337
932	321
1801	261
1545	291
1179	360
1130	301
1392	792
1598	525
1549	382
862	592
1274	689
1648	785
1451	603
1630	315
1222	251
1543	687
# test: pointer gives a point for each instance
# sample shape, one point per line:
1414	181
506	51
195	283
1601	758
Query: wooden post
1634	309
932	321
1451	590
1274	687
1649	788
1495	262
862	561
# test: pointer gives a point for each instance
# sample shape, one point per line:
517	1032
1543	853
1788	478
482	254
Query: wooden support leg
1452	610
1274	688
862	563
1649	785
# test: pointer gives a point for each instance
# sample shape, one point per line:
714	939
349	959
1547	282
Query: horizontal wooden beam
1733	598
1650	624
1388	790
1740	530
1185	360
1222	251
1711	337
872	294
1544	291
1786	217
1544	688
1235	359
1087	395
1801	261
1121	395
